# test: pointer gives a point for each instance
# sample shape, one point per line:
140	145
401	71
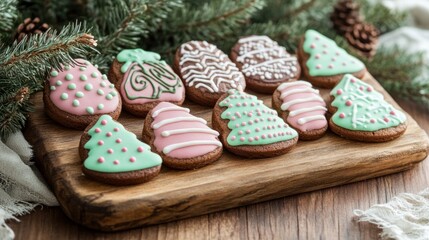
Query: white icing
254	38
172	147
261	55
207	68
178	119
291	84
189	130
286	105
300	90
304	110
175	108
305	120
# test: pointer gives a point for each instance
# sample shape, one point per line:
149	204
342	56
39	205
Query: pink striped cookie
302	108
181	139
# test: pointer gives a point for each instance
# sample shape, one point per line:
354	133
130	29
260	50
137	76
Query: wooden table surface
323	214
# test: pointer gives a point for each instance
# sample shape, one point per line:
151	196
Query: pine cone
30	27
363	38
345	16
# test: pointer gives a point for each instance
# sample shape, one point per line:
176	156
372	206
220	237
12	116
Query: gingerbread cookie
206	71
264	63
324	63
302	108
144	80
183	140
249	128
78	95
360	113
113	155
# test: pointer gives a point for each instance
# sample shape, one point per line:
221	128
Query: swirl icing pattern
147	78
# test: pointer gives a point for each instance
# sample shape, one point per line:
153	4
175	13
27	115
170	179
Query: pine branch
213	21
127	23
382	17
8	15
14	107
24	67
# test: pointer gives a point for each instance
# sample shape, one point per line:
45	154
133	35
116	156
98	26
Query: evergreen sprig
124	23
8	15
212	21
24	66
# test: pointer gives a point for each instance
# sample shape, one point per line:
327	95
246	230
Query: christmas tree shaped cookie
249	128
144	80
113	155
360	113
324	63
80	94
183	140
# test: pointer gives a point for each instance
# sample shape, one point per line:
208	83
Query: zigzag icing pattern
204	66
179	134
265	59
306	108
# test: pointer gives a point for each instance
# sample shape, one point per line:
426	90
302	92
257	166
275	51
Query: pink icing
293	120
128	90
91	99
162	142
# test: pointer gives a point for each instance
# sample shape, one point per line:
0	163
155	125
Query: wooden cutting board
230	182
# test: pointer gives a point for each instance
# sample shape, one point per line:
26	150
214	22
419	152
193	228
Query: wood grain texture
308	167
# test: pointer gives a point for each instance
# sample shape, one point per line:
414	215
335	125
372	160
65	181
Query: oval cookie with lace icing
144	80
80	94
264	63
302	107
206	71
249	128
115	156
183	140
360	113
324	63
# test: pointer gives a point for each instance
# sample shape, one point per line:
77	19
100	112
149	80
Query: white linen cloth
20	187
406	216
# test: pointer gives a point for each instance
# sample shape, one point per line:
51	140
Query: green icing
88	87
90	110
69	76
83	77
54	73
251	122
361	108
129	160
71	86
140	56
326	58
